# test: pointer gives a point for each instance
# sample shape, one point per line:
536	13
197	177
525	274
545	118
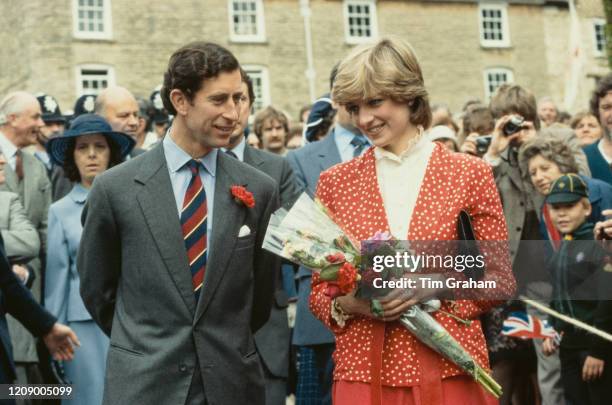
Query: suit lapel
30	179
159	208
228	216
251	158
11	183
328	153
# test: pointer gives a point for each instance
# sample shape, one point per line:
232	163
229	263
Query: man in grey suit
180	318
342	144
20	122
273	339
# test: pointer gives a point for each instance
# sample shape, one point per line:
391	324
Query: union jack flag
523	325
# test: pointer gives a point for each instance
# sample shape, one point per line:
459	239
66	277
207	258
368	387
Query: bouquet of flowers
308	236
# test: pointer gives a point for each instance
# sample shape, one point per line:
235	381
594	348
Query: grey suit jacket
35	195
21	240
136	283
308	162
272	340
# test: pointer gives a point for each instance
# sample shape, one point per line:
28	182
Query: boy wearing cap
582	287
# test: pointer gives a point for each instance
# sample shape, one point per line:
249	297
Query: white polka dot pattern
452	182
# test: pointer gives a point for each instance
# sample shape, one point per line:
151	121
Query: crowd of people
137	225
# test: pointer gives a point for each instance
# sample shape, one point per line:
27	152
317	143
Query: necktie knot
359	143
194	166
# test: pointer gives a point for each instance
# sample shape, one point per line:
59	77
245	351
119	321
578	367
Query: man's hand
21	272
604	227
549	347
469	144
60	341
592	369
499	141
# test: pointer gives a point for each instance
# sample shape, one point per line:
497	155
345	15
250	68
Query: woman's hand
549	347
355	306
592	369
399	300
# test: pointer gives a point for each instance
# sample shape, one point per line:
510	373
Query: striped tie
193	223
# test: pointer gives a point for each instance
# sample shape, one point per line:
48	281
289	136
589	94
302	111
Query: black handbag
467	244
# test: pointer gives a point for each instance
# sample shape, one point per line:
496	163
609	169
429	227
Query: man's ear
179	101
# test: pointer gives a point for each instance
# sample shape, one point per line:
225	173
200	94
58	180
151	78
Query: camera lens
514	125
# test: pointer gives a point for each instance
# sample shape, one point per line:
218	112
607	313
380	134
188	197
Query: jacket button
182	368
518	228
522	204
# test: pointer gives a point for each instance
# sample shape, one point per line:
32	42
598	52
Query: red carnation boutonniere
243	196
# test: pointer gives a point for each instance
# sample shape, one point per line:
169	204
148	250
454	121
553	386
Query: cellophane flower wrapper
308	236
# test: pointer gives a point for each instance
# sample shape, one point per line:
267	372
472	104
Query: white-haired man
20	122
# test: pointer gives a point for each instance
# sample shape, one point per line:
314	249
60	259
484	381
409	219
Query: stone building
467	48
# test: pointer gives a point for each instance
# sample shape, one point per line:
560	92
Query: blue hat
87	124
320	109
50	109
567	189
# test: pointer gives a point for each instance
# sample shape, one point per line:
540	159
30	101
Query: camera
513	126
482	144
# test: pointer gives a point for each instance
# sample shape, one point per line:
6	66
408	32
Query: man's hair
548	99
387	68
13	103
513	99
269	113
72	171
579	116
478	118
247	80
551	147
191	65
603	87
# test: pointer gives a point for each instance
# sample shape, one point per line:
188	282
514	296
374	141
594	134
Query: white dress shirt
8	150
399	182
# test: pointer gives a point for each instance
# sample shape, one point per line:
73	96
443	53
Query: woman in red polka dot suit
414	189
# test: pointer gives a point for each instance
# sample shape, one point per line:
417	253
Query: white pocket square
244	231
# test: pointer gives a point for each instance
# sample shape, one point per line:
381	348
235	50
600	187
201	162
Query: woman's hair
579	116
267	114
551	148
70	167
388	68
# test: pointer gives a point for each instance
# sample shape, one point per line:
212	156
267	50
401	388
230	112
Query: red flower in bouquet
242	195
335	258
347	278
332	290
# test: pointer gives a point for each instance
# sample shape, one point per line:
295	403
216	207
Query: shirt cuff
492	161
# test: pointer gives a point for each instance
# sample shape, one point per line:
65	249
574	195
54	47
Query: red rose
347	278
335	258
242	195
332	290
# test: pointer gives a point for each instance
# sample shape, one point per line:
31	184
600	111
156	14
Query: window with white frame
246	20
92	19
92	79
495	77
360	24
493	21
599	32
261	86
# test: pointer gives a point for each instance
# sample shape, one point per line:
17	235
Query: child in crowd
582	289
